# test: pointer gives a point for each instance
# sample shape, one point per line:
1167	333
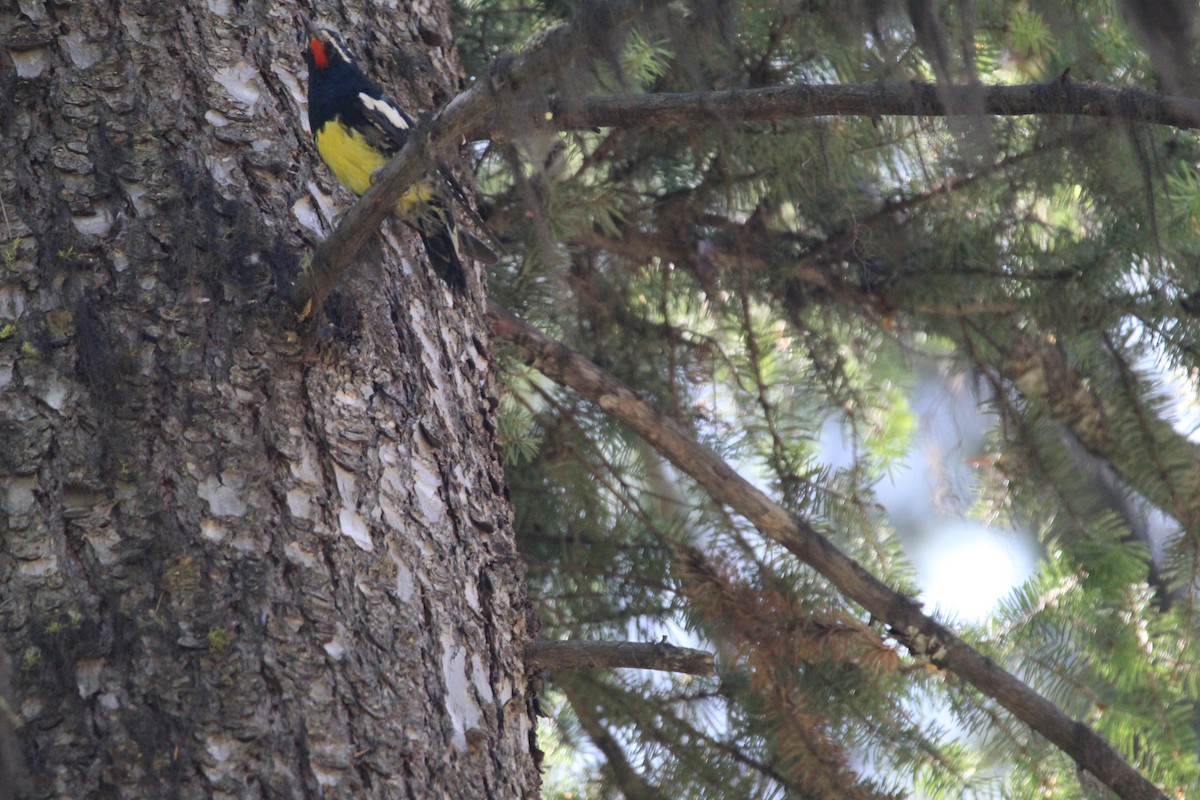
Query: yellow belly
354	161
348	154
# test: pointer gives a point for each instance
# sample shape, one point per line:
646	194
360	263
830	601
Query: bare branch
595	22
1058	98
575	653
920	633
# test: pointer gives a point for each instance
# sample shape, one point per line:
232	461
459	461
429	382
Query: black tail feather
424	210
441	246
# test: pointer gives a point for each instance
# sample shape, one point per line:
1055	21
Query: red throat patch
320	58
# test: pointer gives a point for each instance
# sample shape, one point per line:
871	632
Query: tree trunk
240	557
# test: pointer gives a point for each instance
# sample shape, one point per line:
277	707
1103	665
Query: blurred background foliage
789	291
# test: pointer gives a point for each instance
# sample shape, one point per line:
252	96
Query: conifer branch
595	23
630	782
1039	372
1122	432
920	633
576	653
913	99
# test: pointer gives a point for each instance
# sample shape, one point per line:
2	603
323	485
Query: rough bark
238	558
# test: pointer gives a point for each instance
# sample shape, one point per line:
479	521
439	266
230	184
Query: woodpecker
357	129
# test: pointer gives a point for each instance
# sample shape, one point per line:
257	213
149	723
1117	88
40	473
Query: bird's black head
326	51
334	82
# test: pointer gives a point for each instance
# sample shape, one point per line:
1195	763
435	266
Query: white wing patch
385	110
